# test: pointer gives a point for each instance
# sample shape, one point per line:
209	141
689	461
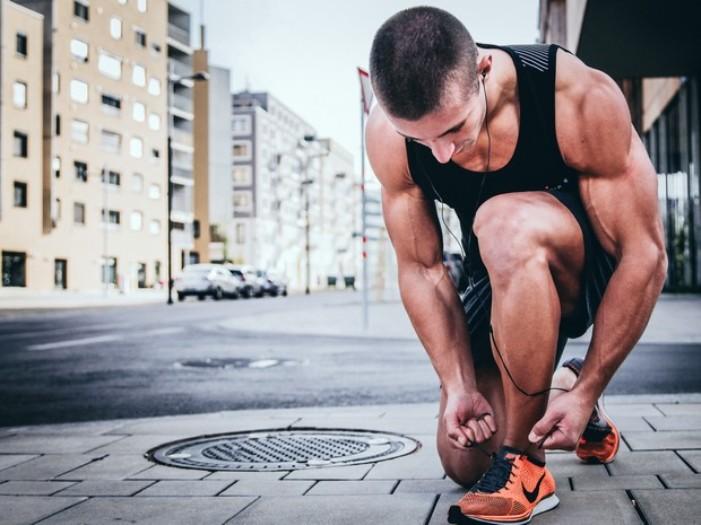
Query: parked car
271	286
279	283
251	286
202	280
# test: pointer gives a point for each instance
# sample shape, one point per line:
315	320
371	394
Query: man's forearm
435	311
622	316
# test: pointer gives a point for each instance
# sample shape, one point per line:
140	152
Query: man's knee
511	237
463	466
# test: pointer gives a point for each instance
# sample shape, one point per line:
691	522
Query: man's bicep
623	207
413	228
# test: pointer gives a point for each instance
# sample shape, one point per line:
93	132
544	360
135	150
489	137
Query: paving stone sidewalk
96	472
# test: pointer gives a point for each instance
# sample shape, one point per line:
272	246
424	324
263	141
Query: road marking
74	342
165	331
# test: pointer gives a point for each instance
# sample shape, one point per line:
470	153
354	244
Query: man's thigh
514	226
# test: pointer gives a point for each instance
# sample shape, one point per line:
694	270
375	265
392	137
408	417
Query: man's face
448	131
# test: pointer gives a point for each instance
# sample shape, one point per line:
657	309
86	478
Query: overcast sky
305	52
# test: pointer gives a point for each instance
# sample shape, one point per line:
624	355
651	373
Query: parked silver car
202	280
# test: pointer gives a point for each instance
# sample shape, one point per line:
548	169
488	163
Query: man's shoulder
386	151
589	106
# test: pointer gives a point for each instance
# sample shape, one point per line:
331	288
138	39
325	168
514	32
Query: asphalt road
106	363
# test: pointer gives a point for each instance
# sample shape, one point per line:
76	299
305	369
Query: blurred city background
220	143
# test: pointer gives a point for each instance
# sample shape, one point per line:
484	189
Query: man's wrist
459	386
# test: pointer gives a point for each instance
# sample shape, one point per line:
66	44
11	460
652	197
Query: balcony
181	136
178	68
182	103
179	34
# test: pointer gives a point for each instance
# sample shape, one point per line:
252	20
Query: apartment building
650	50
24	259
180	122
96	176
263	127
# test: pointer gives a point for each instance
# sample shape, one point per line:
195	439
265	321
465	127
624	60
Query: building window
56	211
109	65
60	274
138	75
21	44
136	220
57	125
136	147
138	112
154	227
241	175
110	216
242	149
140	37
242	125
55	83
137	182
79	91
79	131
79	50
240	233
56	167
243	201
110	141
19	94
81	170
20	194
113	178
116	28
78	213
154	86
154	191
20	144
14	269
111	104
154	121
109	270
141	6
81	10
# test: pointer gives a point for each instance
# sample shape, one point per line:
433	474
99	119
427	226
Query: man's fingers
485	429
458	435
543	427
476	430
489	420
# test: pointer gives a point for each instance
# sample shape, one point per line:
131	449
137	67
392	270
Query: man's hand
563	422
468	418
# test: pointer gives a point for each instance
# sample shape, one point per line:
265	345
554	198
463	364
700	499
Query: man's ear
484	65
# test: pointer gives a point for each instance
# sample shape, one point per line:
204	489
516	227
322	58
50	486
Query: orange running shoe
515	488
601	439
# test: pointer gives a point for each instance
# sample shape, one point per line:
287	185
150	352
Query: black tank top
536	164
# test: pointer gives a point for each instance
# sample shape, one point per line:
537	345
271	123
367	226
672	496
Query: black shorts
598	268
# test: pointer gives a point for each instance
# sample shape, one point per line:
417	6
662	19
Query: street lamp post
200	75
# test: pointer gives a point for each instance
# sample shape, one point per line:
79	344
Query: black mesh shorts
598	268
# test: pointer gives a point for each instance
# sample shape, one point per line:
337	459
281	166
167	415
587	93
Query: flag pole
364	215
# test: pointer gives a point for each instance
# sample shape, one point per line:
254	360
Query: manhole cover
234	363
297	449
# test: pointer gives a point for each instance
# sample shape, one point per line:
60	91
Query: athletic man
557	201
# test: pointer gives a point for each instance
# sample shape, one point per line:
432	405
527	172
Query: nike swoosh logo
532	495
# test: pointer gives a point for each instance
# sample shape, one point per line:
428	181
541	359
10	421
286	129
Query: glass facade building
673	143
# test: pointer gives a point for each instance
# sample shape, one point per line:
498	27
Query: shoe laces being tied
499	473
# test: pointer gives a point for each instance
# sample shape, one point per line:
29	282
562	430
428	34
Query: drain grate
270	450
211	362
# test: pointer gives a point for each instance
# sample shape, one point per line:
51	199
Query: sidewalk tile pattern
87	476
